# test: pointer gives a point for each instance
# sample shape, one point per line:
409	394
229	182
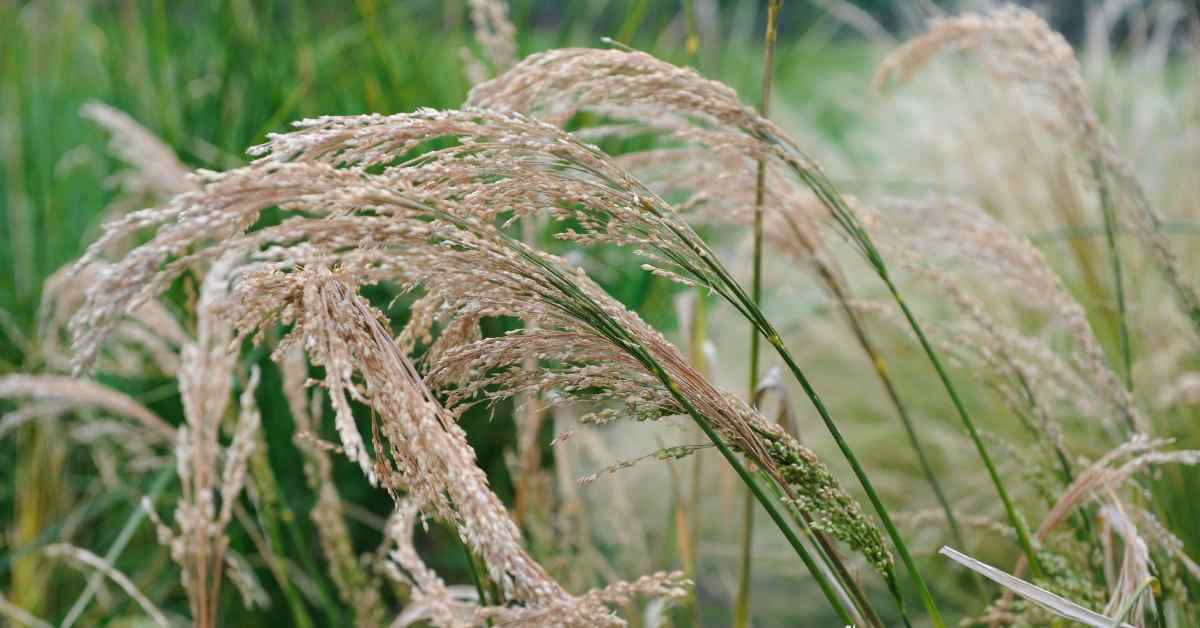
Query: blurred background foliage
213	78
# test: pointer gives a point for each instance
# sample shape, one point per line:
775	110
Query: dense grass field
934	285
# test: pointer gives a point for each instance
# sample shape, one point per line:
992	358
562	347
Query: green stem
880	368
894	534
847	219
741	608
740	300
741	603
475	579
696	337
1083	530
268	508
1014	519
747	479
1110	236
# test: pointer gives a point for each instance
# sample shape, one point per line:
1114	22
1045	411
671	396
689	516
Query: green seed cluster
833	511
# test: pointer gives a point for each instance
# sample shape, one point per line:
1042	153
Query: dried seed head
429	222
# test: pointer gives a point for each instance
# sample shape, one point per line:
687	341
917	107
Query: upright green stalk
880	368
743	473
696	337
926	597
1110	236
476	579
1014	519
767	503
741	606
268	508
474	572
825	547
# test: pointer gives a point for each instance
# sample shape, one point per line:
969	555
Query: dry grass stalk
68	392
156	172
199	544
85	558
925	237
150	331
503	162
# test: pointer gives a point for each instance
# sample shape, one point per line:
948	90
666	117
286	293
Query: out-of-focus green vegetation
212	78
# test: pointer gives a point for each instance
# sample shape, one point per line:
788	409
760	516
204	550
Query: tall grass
301	354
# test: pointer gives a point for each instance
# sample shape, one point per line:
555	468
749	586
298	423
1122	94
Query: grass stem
880	367
736	295
118	546
842	213
1014	518
1110	237
741	607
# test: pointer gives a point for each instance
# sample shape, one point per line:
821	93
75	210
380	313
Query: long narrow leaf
1047	600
